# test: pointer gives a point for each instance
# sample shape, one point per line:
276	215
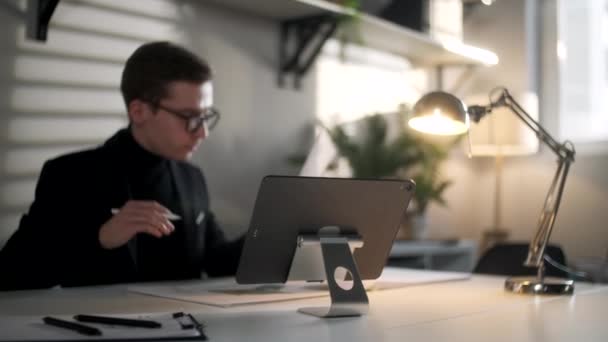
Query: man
108	215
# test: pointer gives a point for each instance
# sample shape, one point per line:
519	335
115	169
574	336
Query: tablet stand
328	255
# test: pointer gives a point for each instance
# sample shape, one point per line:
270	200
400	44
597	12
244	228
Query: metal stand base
543	286
339	265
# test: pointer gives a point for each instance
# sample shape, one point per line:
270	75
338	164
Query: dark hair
154	65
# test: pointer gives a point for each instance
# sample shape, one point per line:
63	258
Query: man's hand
135	217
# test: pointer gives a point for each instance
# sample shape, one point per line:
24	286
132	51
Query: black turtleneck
149	177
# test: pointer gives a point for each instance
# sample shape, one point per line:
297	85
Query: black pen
80	328
118	321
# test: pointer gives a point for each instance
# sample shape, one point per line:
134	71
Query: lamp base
542	286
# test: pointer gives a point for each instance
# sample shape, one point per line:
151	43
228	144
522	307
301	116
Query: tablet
289	206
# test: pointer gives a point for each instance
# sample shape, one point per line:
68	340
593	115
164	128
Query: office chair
508	258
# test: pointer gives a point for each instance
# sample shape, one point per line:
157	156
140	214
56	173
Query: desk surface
405	248
468	310
448	255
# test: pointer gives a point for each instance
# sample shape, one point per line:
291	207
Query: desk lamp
444	114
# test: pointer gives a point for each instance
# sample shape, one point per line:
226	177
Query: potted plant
430	186
371	154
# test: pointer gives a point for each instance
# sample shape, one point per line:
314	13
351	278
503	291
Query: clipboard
174	327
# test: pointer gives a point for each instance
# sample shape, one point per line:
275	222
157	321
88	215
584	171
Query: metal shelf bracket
38	16
301	41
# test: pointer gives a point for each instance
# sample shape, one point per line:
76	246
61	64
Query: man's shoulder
74	171
82	158
82	164
95	156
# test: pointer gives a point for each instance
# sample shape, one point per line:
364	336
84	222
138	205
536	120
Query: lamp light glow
440	113
438	123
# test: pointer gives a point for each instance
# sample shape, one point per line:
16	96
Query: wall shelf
376	33
308	24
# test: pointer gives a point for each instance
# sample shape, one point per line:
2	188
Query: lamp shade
440	113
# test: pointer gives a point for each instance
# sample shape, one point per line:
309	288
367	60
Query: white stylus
170	216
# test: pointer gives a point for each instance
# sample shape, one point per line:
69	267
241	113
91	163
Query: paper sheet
230	295
234	294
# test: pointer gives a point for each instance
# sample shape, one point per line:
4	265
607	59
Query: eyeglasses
195	119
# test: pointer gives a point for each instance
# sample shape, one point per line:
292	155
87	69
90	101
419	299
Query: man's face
163	130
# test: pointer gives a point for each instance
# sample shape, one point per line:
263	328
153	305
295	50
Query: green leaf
370	154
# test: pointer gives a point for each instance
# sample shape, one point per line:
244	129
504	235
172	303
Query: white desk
448	255
470	310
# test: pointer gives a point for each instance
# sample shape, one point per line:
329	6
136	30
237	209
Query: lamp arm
536	250
565	153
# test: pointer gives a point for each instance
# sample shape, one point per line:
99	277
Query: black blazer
57	240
